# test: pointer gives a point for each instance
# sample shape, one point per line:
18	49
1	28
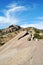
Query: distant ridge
13	30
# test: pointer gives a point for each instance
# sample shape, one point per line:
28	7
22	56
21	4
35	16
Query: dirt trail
22	52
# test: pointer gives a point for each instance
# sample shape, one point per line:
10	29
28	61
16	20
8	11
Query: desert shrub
2	43
41	36
15	32
36	35
1	37
0	30
37	31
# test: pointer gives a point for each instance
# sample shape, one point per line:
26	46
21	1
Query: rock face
25	33
14	27
11	28
22	51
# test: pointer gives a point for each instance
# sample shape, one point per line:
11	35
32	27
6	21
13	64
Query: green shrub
36	35
37	31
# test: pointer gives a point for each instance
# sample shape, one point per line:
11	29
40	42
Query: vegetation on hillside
36	35
12	31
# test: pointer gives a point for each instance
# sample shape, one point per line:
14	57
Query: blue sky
26	13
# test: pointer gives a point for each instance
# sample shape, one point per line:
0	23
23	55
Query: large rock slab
22	52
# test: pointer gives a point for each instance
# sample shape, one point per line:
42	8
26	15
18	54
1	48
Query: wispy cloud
8	14
37	25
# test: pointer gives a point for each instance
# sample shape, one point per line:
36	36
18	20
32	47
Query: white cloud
15	9
37	25
8	18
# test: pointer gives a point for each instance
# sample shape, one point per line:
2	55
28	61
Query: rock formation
22	51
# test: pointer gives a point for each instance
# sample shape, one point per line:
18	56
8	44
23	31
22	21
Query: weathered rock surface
22	52
11	28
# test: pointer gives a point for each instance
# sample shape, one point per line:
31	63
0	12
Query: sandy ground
22	52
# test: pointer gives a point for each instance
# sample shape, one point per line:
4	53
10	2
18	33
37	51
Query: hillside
21	51
13	30
8	33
